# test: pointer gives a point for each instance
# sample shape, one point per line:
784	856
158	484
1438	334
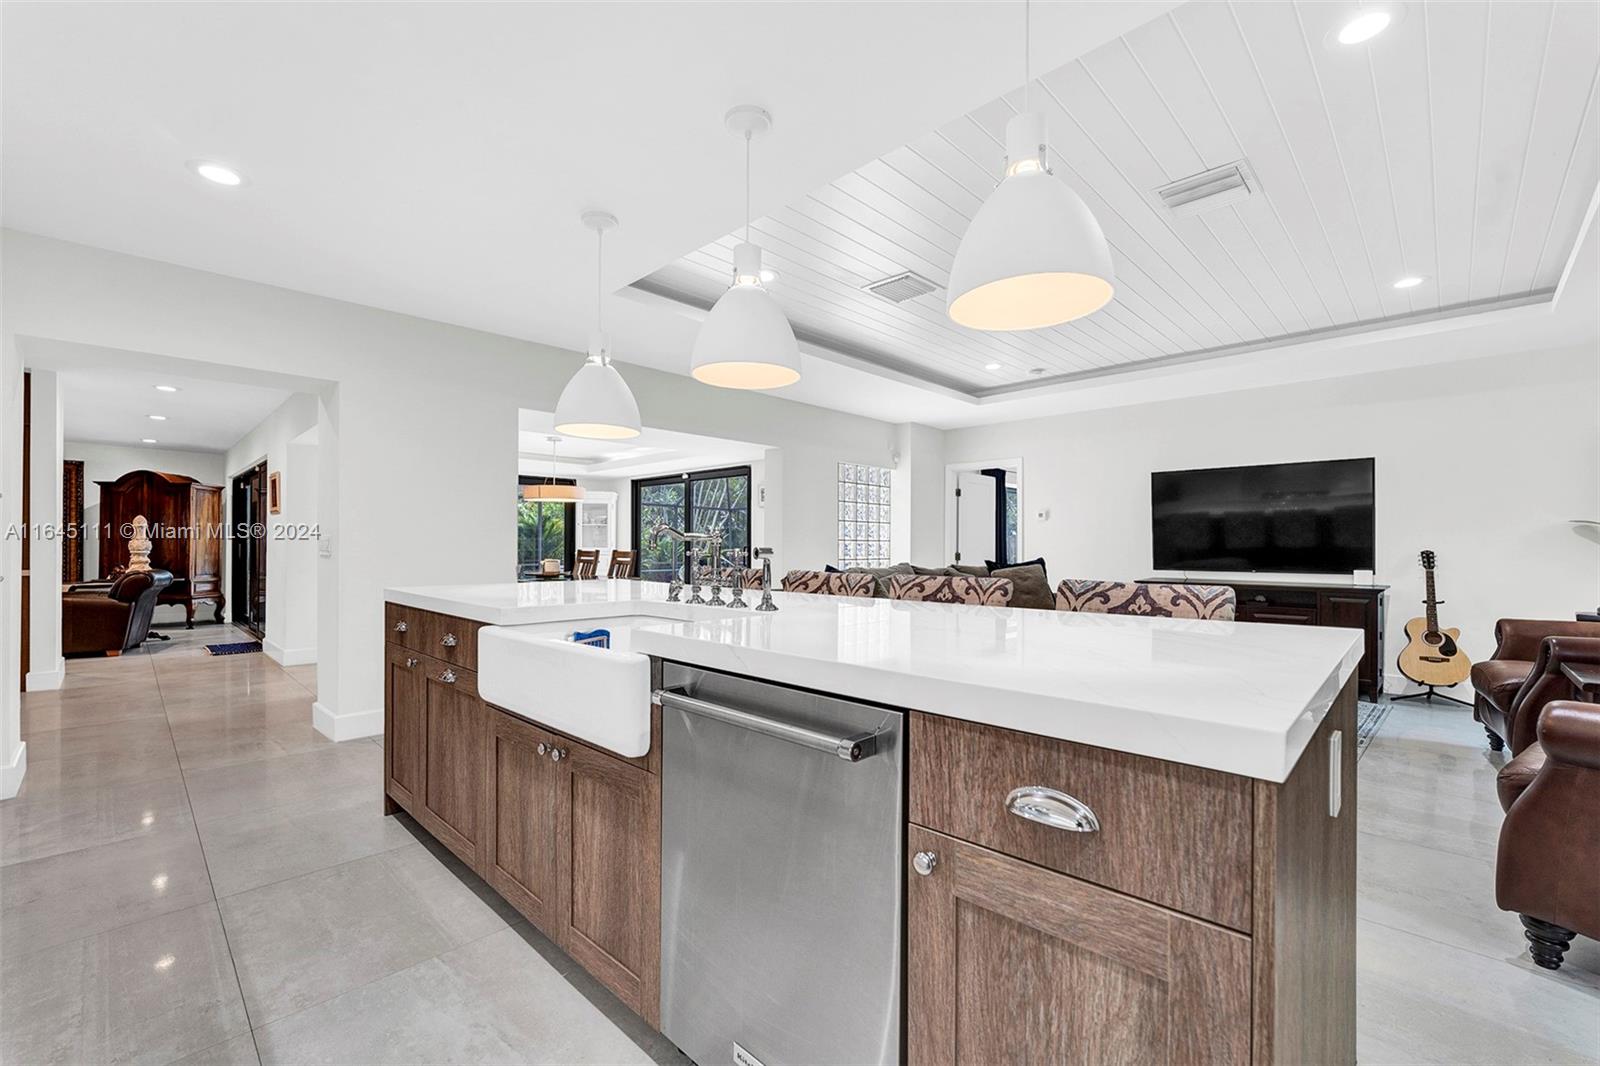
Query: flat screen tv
1287	518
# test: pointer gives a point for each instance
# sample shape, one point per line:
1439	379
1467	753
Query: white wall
291	629
13	752
1484	462
107	462
46	667
418	433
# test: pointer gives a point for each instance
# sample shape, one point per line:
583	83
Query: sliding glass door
700	502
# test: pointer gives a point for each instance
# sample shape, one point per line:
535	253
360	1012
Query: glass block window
863	515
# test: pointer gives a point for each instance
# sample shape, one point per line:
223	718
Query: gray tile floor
192	874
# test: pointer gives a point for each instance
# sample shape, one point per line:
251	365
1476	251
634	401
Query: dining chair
622	563
586	564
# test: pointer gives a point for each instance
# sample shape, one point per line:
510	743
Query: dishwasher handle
849	748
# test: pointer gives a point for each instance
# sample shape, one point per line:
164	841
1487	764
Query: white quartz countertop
1241	698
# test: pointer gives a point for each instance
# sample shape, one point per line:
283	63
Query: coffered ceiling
1459	146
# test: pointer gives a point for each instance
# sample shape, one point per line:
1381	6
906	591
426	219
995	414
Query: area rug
1369	719
242	648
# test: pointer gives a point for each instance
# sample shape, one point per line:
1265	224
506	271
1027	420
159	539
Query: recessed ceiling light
991	366
1364	27
158	418
166	388
217	173
147	440
1410	281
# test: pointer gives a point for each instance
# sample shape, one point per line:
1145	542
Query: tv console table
1360	607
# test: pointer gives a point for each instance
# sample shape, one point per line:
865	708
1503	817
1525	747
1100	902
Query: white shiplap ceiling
1460	145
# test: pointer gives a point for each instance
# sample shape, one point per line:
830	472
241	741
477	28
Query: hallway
192	873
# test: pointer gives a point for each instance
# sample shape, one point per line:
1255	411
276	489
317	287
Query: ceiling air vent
901	287
1209	189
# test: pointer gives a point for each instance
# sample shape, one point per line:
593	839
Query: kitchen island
1120	838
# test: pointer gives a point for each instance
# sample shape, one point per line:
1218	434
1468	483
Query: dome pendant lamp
597	403
1034	256
745	342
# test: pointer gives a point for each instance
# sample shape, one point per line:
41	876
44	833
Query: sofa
112	620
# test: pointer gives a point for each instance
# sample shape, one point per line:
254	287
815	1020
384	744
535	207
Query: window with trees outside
863	515
699	502
544	531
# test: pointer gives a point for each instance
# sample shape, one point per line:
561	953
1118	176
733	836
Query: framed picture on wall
274	497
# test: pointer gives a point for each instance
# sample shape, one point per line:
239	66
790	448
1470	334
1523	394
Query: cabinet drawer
454	640
404	626
1280	614
1176	835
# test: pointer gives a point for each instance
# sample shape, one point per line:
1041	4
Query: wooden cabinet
452	803
186	533
523	792
1197	917
568	834
610	847
1008	962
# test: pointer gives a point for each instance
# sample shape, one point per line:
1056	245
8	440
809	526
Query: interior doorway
983	512
249	549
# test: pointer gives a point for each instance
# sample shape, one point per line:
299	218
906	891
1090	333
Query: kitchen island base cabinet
1010	962
524	801
433	748
1037	935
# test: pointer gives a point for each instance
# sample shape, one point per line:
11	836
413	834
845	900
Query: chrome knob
448	677
557	754
924	861
400	627
449	640
543	747
412	662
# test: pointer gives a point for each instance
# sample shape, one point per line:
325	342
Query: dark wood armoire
186	533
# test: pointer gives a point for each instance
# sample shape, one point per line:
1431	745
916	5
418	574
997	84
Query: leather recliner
1519	655
1547	866
112	621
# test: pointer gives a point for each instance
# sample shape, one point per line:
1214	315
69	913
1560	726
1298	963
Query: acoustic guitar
1432	656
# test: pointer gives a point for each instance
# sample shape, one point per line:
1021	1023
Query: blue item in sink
595	638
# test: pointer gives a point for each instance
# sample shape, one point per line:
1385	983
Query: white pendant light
551	490
597	403
1034	255
746	342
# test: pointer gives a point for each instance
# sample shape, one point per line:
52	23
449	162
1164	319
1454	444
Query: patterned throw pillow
962	588
1215	602
825	584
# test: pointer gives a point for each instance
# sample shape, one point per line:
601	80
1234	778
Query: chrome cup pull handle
449	640
448	677
400	627
1055	809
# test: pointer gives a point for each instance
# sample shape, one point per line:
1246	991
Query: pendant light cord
599	298
747	138
1027	58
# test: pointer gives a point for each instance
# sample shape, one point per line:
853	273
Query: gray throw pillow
970	571
1029	586
880	576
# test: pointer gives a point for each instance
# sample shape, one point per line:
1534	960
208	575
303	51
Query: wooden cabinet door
1349	611
1009	962
405	724
452	804
610	847
522	813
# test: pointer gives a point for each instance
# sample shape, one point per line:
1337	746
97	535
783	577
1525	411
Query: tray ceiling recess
1259	183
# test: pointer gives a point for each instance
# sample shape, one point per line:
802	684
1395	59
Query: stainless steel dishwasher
782	830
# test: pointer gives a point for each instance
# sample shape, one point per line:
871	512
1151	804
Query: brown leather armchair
114	620
1499	681
1547	868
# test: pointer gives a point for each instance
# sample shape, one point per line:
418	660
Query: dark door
700	502
249	539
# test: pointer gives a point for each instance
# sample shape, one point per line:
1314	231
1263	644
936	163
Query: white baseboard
288	656
46	680
336	726
12	773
